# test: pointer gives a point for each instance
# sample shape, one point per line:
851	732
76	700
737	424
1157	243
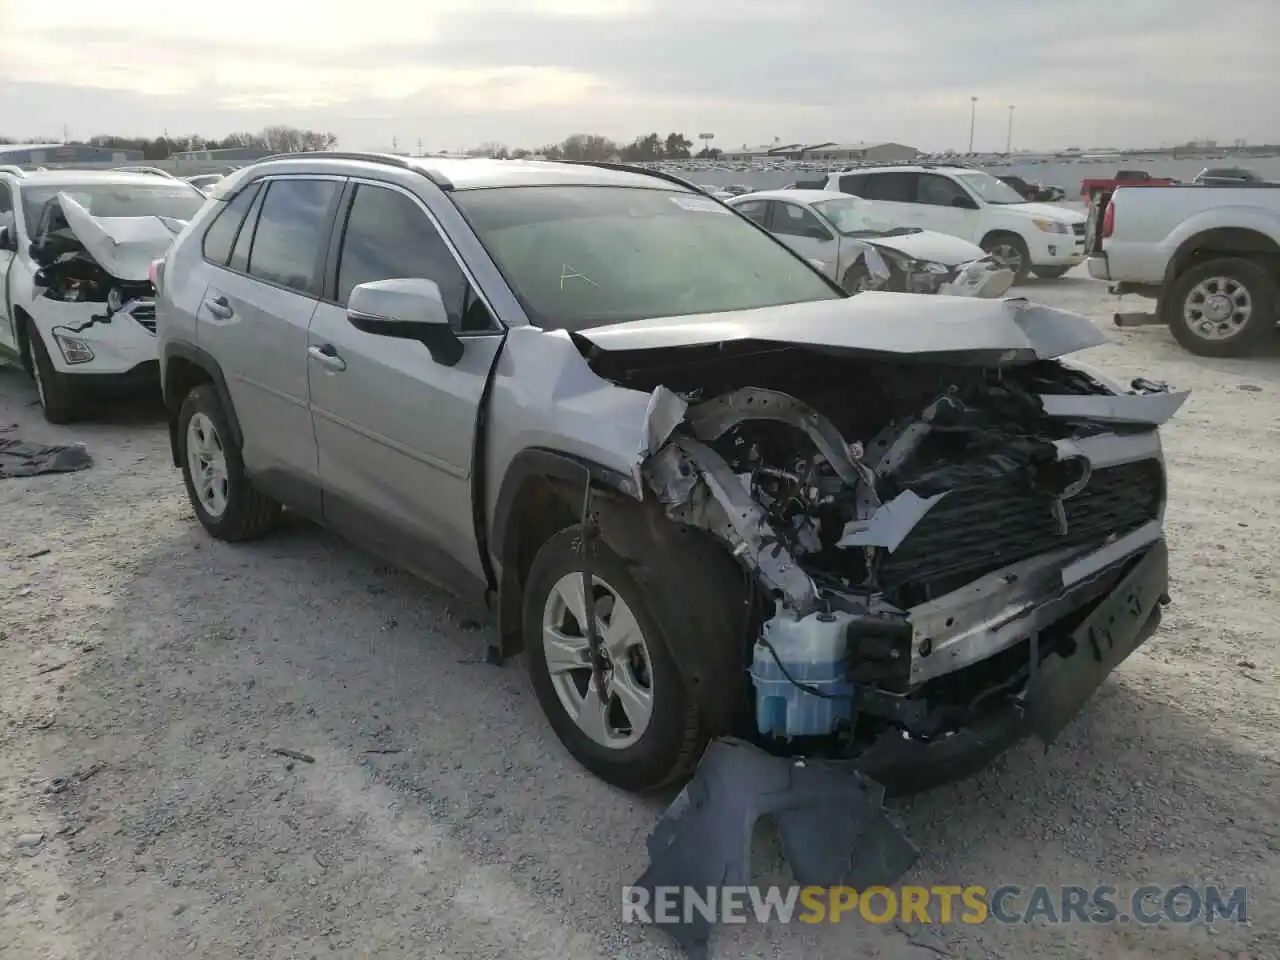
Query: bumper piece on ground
835	831
21	458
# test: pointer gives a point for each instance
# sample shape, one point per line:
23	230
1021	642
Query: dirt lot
148	673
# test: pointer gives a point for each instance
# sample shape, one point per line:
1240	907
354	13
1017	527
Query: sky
453	74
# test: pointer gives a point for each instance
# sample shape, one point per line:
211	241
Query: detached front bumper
1066	665
984	279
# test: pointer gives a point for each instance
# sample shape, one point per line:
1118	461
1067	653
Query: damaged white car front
82	299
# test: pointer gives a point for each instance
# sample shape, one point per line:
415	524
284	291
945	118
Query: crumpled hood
931	245
122	246
962	329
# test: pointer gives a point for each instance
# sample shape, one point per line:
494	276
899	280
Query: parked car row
707	490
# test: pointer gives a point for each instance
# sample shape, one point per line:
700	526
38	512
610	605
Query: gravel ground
149	674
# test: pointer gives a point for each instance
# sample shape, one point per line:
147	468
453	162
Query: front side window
795	221
291	232
389	237
938	191
163	198
579	257
989	188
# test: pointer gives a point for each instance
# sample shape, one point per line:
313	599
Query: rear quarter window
221	235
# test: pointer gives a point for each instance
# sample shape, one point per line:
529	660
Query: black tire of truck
248	513
1243	283
674	739
59	400
1006	246
1049	273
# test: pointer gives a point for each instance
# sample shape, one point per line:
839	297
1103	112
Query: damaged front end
895	271
951	536
929	528
93	271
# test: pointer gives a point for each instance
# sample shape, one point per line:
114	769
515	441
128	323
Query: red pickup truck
1128	178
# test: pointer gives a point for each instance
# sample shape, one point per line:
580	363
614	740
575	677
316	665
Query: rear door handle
328	355
219	307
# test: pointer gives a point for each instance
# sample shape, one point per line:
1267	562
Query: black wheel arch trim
205	361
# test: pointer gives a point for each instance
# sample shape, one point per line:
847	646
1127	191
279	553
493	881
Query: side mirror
817	233
7	240
409	309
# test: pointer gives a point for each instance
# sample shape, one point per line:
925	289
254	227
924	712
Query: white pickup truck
1040	238
1208	255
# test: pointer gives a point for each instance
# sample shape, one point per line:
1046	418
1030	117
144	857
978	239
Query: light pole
973	115
1008	144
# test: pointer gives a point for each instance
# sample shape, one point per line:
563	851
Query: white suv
1040	238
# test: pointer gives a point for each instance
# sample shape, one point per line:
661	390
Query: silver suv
707	492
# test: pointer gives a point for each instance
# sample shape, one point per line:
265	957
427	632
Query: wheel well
540	509
995	234
1225	242
181	376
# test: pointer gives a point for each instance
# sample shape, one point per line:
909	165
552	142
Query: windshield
989	188
853	217
579	257
164	198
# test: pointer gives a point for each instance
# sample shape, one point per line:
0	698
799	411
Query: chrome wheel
207	461
619	718
1217	308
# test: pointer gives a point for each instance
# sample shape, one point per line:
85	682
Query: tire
1049	273
673	738
1008	247
238	511
58	398
1231	283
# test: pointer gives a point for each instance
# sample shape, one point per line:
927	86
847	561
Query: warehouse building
863	152
37	154
230	155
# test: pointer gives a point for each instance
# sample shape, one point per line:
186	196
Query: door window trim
319	271
345	202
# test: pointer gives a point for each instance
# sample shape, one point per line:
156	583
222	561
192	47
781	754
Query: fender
205	361
1256	228
544	462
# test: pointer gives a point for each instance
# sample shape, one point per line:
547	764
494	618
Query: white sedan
844	237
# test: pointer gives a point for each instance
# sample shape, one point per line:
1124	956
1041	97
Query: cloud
458	72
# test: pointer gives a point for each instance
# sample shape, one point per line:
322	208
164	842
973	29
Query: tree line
592	146
277	139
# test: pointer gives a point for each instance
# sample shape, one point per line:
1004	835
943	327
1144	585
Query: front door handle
328	355
219	307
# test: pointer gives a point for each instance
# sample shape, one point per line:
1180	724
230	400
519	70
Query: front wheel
1049	273
1222	308
646	731
57	394
1011	252
226	503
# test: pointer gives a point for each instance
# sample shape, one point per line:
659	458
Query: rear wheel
1010	250
1049	273
57	393
1222	308
224	499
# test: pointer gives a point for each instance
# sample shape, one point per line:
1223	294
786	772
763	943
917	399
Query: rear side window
291	232
221	235
853	183
756	210
890	187
244	241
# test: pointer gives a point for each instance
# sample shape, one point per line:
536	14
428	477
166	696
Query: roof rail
632	168
13	169
389	159
139	168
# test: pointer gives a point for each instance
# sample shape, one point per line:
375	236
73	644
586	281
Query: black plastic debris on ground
22	458
834	829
